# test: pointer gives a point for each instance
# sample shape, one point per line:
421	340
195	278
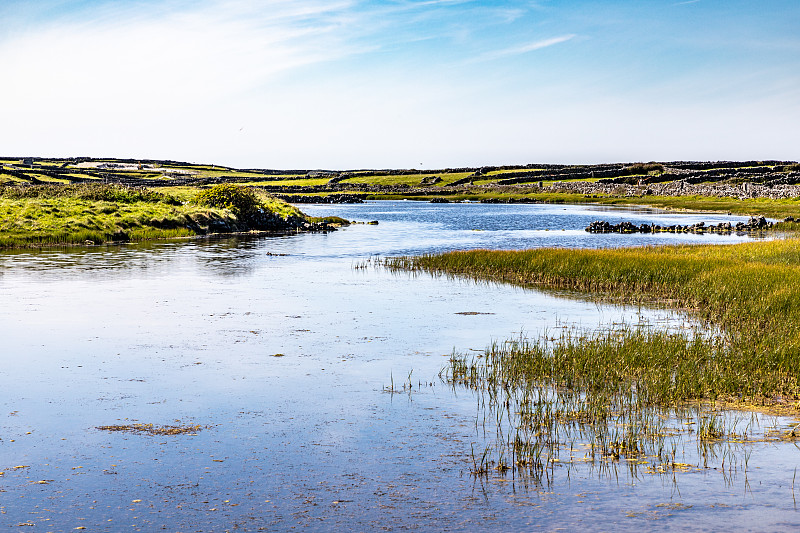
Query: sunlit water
189	331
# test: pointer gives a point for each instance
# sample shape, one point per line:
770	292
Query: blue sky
401	83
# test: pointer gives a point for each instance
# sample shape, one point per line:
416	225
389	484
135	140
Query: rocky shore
264	222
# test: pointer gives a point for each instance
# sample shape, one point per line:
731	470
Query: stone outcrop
754	224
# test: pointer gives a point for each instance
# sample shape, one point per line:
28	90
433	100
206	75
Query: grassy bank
42	215
756	206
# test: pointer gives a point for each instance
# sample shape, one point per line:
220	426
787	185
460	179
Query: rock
219	226
119	236
755	224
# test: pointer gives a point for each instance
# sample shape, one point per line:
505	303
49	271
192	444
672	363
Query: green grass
291	182
509	170
412	180
232	173
761	206
73	214
33	221
332	220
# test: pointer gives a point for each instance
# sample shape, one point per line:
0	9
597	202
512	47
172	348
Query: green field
412	180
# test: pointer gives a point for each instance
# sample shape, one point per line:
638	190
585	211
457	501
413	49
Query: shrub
241	200
644	168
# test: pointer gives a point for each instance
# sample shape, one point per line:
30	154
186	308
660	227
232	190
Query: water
282	351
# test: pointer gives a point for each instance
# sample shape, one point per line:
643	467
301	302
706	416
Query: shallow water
189	331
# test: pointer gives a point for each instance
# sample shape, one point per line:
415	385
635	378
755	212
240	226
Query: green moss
333	221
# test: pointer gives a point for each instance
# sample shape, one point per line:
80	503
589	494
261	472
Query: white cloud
523	49
137	65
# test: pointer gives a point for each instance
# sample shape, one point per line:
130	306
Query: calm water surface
188	332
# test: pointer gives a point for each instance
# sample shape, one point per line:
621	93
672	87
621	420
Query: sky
428	84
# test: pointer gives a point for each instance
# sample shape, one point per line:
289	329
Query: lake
282	350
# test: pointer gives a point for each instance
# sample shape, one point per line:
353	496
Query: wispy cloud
523	49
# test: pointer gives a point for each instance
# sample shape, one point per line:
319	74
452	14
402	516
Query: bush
644	168
241	200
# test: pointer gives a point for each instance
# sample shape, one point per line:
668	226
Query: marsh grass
628	393
554	404
751	291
